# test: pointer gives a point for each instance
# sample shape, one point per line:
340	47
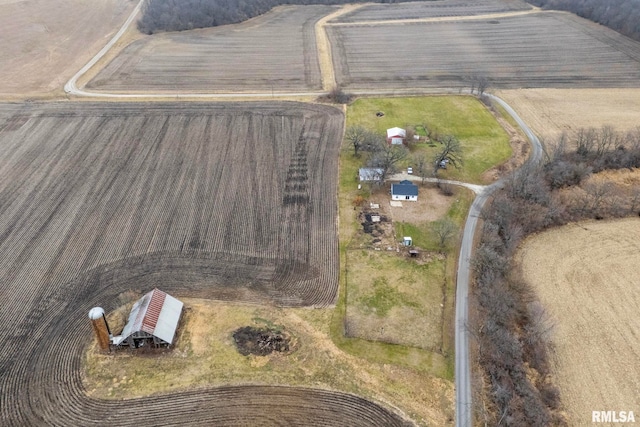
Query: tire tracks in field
60	268
462	368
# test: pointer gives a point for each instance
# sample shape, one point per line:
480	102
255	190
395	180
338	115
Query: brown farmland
535	50
550	112
45	42
431	9
229	202
586	276
276	51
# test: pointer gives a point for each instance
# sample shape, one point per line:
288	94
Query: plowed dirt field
535	50
229	202
276	51
586	276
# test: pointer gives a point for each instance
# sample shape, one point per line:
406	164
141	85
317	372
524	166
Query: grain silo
100	327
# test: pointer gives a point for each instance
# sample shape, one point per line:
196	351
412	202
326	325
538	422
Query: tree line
511	330
178	15
622	16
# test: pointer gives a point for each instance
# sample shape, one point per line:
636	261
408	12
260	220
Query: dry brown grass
45	42
205	355
586	275
549	112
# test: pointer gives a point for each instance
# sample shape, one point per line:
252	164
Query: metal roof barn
153	318
396	136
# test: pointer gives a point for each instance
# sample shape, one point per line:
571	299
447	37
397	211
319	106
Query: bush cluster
512	329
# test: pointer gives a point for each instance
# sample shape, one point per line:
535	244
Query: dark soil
260	341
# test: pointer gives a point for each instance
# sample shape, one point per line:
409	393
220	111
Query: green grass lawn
484	142
382	293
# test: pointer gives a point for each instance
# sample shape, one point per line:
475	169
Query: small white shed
396	136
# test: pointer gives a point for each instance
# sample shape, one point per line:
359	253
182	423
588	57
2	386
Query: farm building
153	321
370	174
396	136
405	190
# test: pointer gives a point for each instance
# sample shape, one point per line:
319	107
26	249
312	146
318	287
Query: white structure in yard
405	190
370	174
153	321
396	136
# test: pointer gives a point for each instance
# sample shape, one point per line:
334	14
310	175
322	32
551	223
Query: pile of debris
260	341
372	223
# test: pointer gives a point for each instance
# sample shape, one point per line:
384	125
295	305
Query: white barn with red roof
153	320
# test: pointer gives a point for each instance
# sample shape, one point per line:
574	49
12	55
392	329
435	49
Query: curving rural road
464	408
462	368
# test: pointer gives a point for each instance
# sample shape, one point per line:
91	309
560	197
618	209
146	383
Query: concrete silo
100	327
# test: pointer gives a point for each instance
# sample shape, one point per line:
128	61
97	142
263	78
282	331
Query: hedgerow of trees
510	327
622	16
178	15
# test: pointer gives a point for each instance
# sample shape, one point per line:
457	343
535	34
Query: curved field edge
205	356
72	216
585	275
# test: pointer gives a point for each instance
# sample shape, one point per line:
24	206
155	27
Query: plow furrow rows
97	200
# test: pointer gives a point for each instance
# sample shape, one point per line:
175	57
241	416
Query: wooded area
622	16
178	15
511	329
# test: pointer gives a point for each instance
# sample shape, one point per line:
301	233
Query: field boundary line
323	46
71	86
437	19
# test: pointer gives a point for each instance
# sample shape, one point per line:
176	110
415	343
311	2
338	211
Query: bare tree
451	153
585	141
482	83
356	135
387	157
421	167
479	82
444	230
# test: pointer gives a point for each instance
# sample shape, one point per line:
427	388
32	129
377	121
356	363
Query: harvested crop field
222	201
431	9
542	49
45	42
586	276
276	51
549	112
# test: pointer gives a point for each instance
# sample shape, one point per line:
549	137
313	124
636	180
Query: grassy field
384	291
205	355
484	142
586	277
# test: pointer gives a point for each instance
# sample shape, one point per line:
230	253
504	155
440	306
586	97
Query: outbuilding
405	190
370	174
153	321
396	136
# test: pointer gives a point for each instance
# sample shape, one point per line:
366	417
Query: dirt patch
586	275
430	206
260	341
